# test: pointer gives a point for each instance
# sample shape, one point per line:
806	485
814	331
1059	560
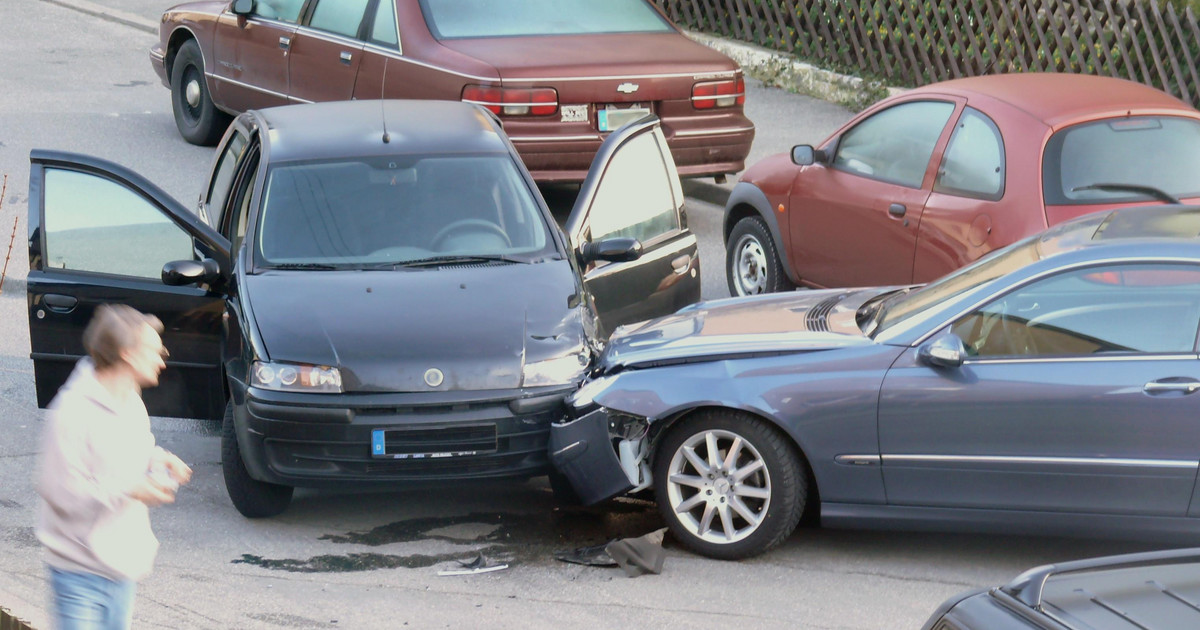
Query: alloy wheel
719	487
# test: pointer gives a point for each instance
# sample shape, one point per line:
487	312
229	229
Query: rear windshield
1158	151
392	210
455	19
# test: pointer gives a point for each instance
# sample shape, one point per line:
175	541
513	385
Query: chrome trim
332	38
1086	358
857	460
712	132
554	138
1079	265
507	104
245	85
1073	461
154	55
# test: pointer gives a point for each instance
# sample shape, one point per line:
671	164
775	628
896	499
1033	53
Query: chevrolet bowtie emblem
627	88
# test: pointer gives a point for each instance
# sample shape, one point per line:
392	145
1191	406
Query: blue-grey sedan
1047	388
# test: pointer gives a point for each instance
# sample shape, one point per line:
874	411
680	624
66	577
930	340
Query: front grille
477	440
816	318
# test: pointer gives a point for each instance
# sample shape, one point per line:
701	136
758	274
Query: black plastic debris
593	556
478	564
641	555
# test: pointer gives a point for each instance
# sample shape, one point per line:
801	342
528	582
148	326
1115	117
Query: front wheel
251	497
728	484
198	119
752	263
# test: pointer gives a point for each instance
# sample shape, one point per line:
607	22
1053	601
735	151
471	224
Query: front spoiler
582	450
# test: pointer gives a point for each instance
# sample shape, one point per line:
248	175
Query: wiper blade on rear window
1149	191
457	259
304	266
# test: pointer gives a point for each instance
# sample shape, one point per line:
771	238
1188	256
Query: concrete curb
112	15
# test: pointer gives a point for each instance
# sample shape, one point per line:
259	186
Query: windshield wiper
457	259
1149	191
304	266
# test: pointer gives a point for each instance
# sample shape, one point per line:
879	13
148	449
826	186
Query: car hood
385	329
613	55
781	323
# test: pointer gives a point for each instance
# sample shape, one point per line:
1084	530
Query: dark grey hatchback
381	296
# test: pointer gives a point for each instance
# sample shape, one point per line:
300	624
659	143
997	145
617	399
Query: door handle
59	303
681	264
897	210
285	42
346	57
1159	387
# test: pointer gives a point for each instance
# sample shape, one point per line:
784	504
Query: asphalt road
74	82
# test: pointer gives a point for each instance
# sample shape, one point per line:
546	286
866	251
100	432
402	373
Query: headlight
562	370
585	396
296	377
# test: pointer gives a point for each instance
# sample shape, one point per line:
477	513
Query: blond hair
114	330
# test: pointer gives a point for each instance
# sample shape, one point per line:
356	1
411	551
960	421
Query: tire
752	263
198	119
691	491
253	498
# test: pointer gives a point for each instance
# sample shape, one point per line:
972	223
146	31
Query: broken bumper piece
582	450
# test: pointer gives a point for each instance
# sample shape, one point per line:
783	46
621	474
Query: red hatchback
927	181
560	74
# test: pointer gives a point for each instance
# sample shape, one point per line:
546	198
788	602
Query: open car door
629	229
98	234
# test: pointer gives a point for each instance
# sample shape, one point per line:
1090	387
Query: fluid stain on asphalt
507	537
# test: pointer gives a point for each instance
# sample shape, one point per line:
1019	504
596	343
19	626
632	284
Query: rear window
456	19
1158	151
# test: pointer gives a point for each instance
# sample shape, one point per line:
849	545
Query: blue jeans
85	601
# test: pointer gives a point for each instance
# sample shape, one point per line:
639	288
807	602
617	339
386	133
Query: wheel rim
192	92
718	486
750	266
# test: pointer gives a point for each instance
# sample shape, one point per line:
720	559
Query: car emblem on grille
433	377
627	88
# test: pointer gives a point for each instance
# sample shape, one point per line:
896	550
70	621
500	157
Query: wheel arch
748	200
179	37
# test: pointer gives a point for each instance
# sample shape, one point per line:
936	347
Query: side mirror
621	249
946	351
182	272
806	155
242	7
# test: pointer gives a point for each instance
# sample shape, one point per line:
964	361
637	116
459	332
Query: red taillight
719	94
513	101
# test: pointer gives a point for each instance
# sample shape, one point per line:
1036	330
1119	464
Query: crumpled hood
798	321
385	329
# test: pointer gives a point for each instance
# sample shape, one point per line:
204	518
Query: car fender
749	200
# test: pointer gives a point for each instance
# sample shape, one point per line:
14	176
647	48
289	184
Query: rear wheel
752	263
251	497
198	119
728	484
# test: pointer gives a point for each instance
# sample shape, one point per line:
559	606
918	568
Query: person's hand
179	471
152	492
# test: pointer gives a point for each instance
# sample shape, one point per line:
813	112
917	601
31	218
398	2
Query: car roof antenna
382	95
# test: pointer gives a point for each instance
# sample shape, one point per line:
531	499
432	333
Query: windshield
1158	151
454	19
391	210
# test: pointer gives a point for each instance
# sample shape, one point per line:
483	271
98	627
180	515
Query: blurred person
99	472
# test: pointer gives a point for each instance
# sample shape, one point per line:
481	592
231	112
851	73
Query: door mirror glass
242	7
804	155
183	272
946	351
620	249
96	224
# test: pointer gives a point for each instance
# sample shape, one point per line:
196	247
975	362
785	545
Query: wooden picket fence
915	42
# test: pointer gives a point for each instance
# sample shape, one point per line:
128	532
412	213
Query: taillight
719	94
513	101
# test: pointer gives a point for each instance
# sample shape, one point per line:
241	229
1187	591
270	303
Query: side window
636	198
973	165
222	179
96	224
284	10
339	16
895	145
383	26
1115	309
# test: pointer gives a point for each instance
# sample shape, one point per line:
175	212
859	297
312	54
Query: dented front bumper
583	451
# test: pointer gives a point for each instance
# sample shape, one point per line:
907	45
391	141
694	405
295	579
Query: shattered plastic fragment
641	555
479	564
594	556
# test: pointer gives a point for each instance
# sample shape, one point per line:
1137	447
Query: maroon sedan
560	74
925	182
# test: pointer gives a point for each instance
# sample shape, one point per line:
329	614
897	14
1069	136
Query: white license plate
610	119
574	113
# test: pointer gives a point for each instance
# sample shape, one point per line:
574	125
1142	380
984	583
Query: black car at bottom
1158	590
371	294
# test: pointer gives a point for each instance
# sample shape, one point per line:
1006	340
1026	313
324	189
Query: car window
1099	310
222	179
1158	151
383	25
285	10
339	16
452	19
240	206
391	210
96	224
895	144
636	197
973	165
